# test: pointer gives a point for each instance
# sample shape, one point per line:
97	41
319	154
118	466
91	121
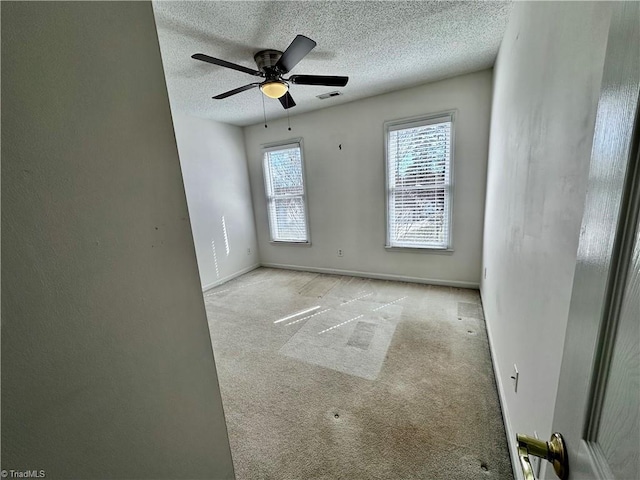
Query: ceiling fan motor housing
266	61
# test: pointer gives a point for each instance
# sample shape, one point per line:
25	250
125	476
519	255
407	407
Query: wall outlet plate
248	251
340	252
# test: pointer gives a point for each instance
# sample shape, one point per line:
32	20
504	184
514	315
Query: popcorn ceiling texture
381	46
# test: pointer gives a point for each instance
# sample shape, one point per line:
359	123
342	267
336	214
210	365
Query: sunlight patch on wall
215	258
226	238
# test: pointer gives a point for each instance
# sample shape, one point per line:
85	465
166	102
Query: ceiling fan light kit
272	65
274	89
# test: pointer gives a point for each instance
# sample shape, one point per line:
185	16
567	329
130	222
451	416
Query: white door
598	404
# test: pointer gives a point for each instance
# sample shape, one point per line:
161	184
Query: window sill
437	251
294	244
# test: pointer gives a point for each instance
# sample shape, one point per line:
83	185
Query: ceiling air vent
328	95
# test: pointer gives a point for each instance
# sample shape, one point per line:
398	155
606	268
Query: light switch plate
515	376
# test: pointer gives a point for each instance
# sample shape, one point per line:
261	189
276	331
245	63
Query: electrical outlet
515	375
485	273
340	252
536	462
249	251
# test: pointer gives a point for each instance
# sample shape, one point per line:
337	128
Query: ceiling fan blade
236	90
224	63
295	52
287	101
325	80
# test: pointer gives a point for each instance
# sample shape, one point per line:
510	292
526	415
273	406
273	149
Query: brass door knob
553	451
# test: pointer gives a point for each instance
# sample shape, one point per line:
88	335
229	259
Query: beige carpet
332	377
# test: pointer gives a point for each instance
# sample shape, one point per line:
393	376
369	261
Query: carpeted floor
332	377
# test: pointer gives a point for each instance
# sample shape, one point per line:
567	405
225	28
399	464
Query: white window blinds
419	183
284	183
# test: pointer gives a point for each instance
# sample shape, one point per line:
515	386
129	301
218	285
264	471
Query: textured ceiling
381	46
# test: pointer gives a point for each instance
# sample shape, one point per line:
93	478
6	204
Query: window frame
412	122
266	172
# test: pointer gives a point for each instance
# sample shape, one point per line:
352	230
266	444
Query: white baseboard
511	434
220	281
379	276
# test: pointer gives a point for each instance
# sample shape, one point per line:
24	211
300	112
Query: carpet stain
362	335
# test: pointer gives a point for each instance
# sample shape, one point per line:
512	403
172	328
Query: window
284	184
419	153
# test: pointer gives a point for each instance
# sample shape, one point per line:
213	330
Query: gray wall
107	367
345	186
546	87
216	181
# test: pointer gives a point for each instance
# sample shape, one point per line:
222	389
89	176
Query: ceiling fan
272	65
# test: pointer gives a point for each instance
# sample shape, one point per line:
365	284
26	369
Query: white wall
107	366
546	87
346	187
216	181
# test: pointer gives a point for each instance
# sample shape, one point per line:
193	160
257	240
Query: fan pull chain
264	112
288	120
